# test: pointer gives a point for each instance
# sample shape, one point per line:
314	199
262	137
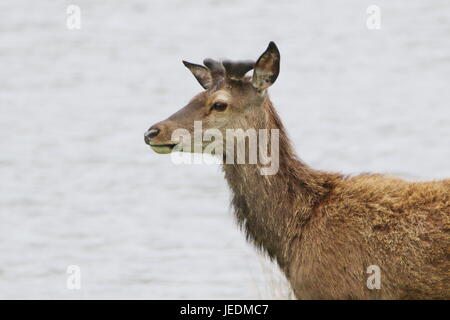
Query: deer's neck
273	208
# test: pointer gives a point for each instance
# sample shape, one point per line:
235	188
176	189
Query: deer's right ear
267	68
201	73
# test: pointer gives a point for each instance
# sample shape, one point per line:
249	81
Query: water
79	186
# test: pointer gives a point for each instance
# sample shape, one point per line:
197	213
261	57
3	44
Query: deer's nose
151	133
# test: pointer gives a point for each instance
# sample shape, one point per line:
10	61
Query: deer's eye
219	106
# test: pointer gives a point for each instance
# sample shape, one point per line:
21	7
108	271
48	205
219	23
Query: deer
329	233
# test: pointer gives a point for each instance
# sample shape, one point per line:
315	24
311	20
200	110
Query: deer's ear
201	73
267	68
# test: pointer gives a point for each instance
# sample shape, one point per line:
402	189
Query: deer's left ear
267	68
201	73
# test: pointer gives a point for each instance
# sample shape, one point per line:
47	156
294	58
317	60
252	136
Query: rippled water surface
79	187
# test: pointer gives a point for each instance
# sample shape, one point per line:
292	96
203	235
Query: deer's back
402	227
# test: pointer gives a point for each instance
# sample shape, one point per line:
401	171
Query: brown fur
323	229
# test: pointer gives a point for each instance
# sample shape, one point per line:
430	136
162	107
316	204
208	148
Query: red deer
324	230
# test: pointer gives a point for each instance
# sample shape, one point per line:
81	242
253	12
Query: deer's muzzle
149	138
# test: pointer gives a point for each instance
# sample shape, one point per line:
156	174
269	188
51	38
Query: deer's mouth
163	148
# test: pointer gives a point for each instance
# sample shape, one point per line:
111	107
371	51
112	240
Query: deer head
231	100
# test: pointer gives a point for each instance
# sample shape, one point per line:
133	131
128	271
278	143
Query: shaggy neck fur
272	209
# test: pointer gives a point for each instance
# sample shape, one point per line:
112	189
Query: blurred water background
78	186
